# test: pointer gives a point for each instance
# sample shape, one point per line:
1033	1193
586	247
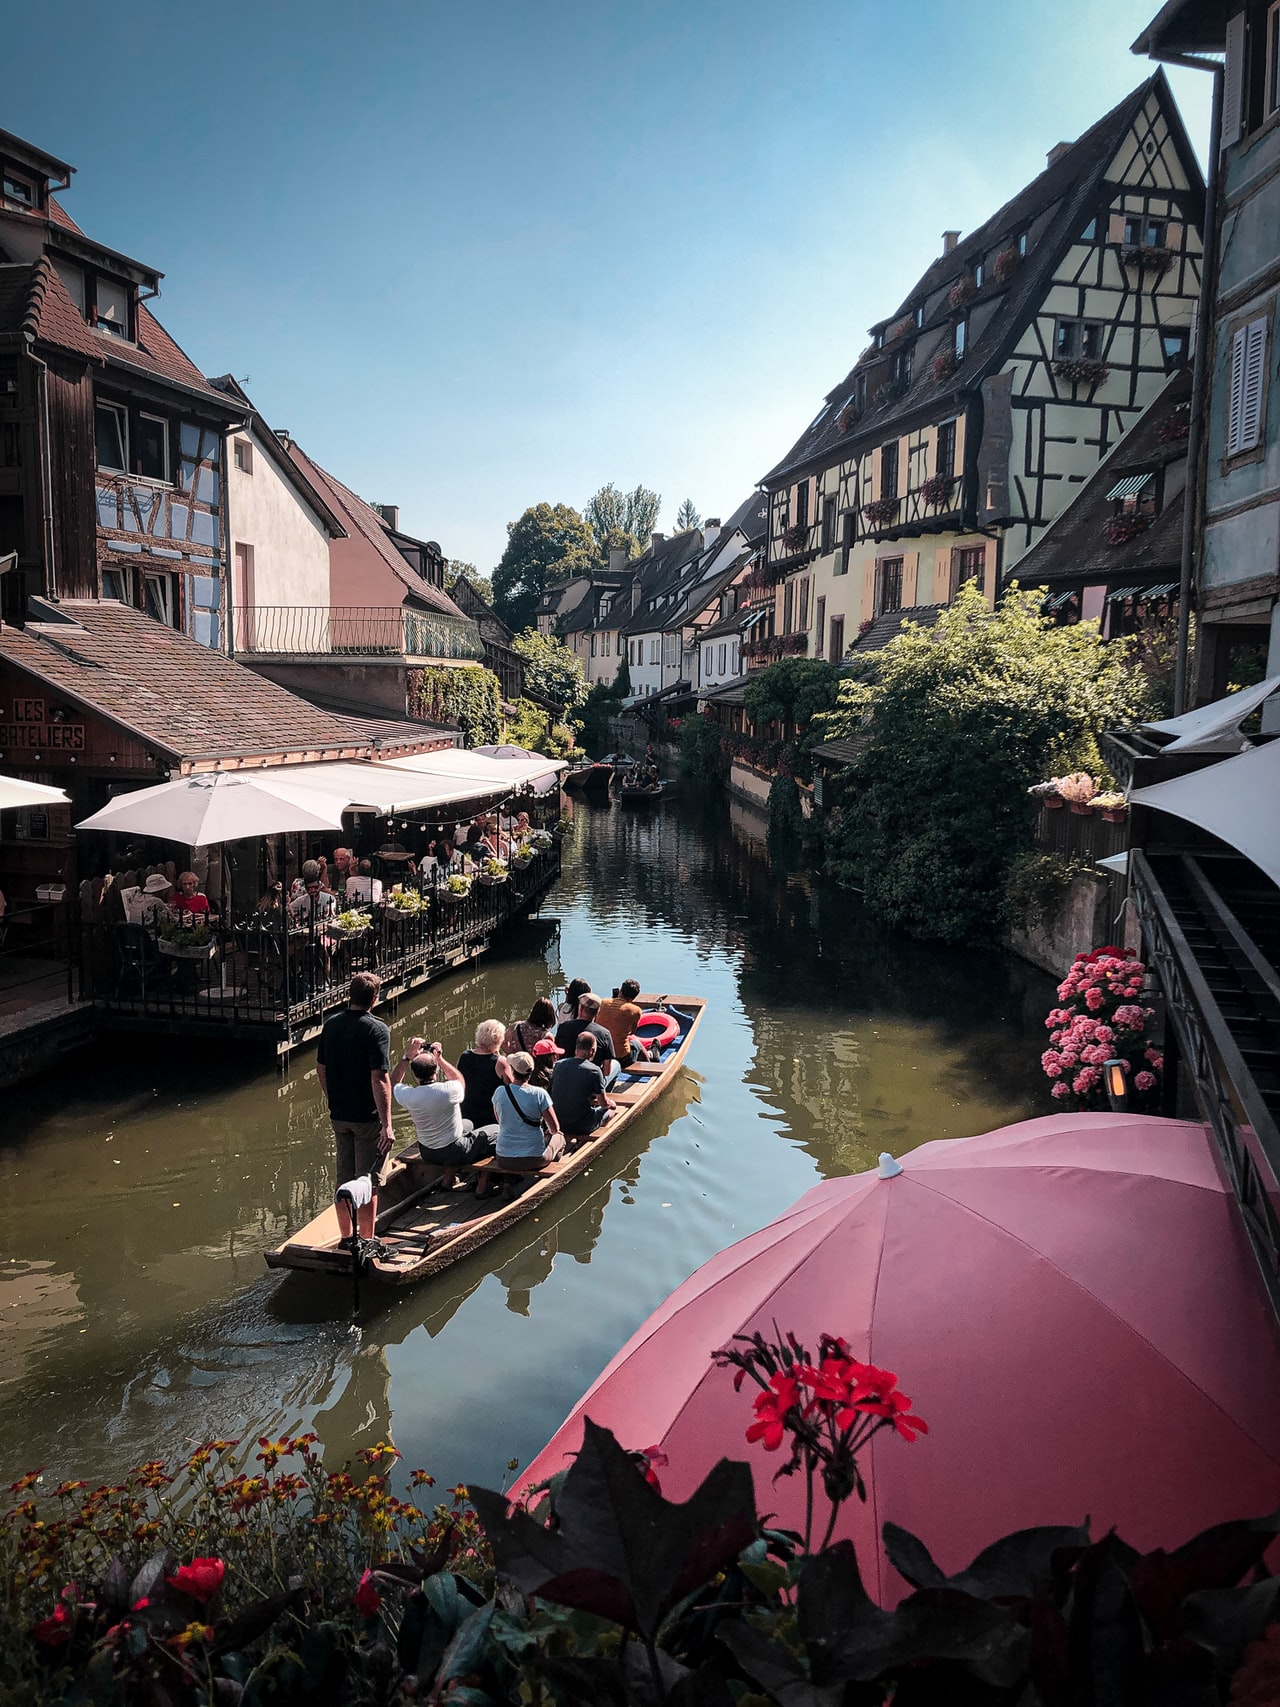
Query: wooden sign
31	732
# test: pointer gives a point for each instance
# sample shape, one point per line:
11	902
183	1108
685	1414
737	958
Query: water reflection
141	1185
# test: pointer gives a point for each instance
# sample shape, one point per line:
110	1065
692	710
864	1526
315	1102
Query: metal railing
278	975
361	631
1225	1087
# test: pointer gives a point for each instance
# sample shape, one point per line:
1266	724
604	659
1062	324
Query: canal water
140	1184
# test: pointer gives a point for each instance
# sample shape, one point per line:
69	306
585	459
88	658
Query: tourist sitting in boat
567	1034
545	1055
526	1032
577	1090
479	1068
574	992
315	902
363	888
620	1015
434	1104
186	902
528	1131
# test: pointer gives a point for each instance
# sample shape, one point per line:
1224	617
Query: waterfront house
1022	356
500	655
1237	561
652	652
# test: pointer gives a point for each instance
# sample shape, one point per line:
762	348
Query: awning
1123	593
1057	601
1161	592
457	764
223	806
1131	485
1215	727
15	792
756	618
1238	801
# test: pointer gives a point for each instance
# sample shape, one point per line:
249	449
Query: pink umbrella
1071	1304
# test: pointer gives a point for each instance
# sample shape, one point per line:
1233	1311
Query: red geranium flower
771	1408
366	1599
895	1408
56	1629
201	1579
655	1459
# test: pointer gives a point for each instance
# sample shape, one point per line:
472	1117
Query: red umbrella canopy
1071	1304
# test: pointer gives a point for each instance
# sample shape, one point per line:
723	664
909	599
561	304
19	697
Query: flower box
1053	802
1148	259
900	328
1120	529
491	879
962	291
1006	264
187	950
344	933
1082	809
880	512
796	538
936	491
943	366
847	418
1081	371
1114	814
521	862
1176	426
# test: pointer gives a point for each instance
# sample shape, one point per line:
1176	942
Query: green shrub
1037	887
467	698
701	747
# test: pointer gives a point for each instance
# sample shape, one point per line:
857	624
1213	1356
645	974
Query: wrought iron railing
1225	1086
278	976
377	631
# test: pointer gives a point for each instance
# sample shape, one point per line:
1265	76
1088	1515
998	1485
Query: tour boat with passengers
421	1231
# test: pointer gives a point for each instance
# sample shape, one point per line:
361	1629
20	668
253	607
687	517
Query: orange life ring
667	1032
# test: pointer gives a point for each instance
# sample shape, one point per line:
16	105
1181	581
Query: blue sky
475	256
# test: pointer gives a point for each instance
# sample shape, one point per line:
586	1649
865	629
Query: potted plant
962	291
796	537
455	889
1078	790
848	417
492	872
1175	426
561	828
185	942
1102	1019
521	856
900	328
936	490
880	512
943	366
1046	794
1113	807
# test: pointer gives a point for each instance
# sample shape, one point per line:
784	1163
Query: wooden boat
425	1231
589	779
640	793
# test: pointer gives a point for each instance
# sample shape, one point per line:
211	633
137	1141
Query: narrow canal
141	1183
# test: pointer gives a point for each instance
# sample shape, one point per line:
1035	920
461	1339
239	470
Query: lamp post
1115	1075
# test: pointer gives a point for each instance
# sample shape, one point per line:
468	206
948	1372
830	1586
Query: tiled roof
362	521
34	303
659	570
388	736
887	627
173	694
1076	548
752	516
1051	209
843	752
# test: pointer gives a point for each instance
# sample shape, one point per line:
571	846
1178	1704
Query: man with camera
434	1104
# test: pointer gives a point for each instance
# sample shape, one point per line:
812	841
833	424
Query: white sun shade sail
458	764
15	792
1215	727
1237	800
227	806
387	789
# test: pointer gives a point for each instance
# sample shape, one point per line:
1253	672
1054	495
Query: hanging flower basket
1148	260
1006	264
962	291
1081	371
455	891
347	925
936	491
880	512
943	365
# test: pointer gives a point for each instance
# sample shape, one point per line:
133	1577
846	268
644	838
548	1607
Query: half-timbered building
982	405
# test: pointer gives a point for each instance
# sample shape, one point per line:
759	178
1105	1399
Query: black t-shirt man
353	1045
567	1036
576	1089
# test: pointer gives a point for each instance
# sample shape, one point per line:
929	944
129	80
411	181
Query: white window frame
1246	390
122	416
164	583
113	328
166	478
244	456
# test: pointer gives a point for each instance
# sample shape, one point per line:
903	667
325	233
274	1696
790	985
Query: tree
622	518
456	570
551	672
959	721
794	691
687	517
549	541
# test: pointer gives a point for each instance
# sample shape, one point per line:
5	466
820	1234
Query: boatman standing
353	1064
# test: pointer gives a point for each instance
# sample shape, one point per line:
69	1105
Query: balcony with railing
358	632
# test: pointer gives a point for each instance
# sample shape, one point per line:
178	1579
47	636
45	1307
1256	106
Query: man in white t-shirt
363	889
435	1107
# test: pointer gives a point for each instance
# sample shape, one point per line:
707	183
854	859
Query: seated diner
314	902
186	902
363	888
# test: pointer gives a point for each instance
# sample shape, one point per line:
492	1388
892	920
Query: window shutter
942	589
1255	356
1235	398
1233	81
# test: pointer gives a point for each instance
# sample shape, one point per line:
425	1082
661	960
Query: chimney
390	514
635	593
1057	151
949	241
617	559
710	532
655	540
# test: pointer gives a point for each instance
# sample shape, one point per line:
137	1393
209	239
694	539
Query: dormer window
979	274
919	316
1023	243
1136	494
879	339
962	338
900	367
19	193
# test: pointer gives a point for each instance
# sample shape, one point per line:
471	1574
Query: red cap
544	1046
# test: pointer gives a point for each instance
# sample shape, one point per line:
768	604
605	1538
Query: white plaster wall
290	544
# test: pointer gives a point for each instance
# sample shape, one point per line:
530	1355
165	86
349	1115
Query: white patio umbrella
199	811
15	792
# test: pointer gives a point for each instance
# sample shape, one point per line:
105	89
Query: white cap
888	1169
